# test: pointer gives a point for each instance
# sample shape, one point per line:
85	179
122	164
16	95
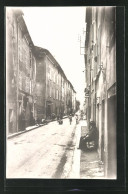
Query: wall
100	67
11	72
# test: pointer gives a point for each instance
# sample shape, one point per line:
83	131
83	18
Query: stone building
100	76
73	100
20	73
54	91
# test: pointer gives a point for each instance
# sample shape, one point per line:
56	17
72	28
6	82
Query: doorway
112	156
102	132
48	111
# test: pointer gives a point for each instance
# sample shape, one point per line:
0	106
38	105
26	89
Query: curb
27	130
21	132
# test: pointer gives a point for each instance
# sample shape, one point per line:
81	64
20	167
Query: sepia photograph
61	96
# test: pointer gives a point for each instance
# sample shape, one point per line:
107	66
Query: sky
57	29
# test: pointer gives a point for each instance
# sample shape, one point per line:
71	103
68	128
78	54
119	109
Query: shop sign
112	91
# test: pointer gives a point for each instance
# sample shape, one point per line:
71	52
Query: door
48	110
10	120
102	132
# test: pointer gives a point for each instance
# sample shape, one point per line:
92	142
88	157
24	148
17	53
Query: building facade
100	76
54	92
20	73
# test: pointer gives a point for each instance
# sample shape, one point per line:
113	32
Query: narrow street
45	152
51	151
46	82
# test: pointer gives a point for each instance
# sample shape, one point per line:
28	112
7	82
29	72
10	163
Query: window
57	94
53	92
50	91
49	73
54	77
57	79
27	84
30	56
23	81
30	86
20	54
20	80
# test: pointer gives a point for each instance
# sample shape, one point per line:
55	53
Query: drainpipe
17	89
106	109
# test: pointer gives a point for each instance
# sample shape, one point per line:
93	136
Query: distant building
54	91
73	100
100	75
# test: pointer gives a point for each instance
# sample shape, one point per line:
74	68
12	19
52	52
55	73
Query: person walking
23	121
70	119
77	120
